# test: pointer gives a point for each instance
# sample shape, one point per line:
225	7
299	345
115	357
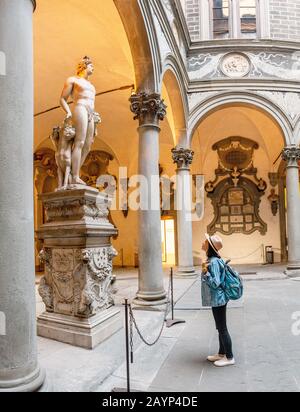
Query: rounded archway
173	90
229	99
237	146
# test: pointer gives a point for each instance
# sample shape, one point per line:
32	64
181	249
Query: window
234	18
221	27
248	17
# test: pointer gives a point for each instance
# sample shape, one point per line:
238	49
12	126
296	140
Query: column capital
148	107
183	157
291	154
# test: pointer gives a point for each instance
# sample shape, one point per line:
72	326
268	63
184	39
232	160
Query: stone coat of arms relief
77	282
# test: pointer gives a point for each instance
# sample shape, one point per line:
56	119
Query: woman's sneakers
215	358
224	362
221	361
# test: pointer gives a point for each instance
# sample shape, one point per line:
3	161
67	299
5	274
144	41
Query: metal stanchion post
173	321
128	389
127	353
127	346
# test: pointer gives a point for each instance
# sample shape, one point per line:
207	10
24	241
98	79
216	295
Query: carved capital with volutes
183	157
148	107
291	155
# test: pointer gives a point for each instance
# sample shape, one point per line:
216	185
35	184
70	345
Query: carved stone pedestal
77	286
84	332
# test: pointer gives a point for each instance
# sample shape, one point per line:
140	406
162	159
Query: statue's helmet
83	64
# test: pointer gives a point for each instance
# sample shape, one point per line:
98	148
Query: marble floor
266	350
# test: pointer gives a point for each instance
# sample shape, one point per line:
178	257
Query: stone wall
285	19
192	11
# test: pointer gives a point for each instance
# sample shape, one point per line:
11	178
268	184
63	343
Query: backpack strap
224	273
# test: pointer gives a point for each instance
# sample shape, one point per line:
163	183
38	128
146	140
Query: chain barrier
133	324
244	257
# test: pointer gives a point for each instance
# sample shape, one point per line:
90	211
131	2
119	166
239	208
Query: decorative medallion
235	65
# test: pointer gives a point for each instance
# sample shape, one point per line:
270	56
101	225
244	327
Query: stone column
291	155
183	158
19	369
149	109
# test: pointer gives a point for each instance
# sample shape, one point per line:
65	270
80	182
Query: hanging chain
244	257
133	322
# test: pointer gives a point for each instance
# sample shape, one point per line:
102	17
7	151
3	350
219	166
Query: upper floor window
221	26
234	18
248	10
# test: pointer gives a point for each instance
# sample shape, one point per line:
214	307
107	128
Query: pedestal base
84	333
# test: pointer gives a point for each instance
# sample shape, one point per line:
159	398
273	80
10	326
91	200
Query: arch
243	121
173	80
297	133
137	22
203	110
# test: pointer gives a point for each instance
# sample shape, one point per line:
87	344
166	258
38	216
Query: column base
293	271
31	383
47	386
186	272
80	332
148	303
144	299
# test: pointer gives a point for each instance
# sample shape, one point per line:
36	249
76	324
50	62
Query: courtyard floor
266	350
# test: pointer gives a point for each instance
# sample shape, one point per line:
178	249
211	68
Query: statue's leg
68	164
60	175
68	171
80	117
88	141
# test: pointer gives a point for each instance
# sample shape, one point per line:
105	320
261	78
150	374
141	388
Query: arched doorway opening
281	176
173	132
236	149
